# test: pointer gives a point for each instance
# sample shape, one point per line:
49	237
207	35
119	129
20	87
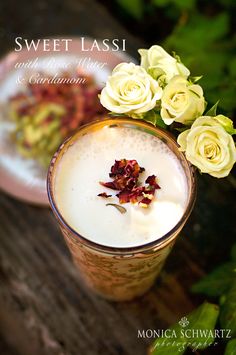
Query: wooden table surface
44	307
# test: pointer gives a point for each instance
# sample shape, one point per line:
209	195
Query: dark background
44	307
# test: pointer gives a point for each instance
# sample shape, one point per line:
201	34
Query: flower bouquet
161	91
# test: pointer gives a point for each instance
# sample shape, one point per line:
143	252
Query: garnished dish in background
47	113
38	110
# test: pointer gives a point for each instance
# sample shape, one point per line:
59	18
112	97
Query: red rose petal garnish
126	168
125	174
124	196
104	194
110	185
118	168
145	202
151	180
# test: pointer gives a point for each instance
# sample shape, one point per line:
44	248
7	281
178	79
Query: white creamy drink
88	161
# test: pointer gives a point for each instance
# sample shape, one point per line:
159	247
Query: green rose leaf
154	118
202	319
160	123
195	79
230	348
218	281
150	117
228	310
212	110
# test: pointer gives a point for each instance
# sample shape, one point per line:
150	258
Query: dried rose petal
125	174
145	202
109	185
130	195
124	196
126	168
151	180
118	168
104	194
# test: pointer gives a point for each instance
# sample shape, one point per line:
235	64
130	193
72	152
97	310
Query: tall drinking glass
120	273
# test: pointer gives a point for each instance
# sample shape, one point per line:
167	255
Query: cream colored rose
209	147
130	90
161	65
181	101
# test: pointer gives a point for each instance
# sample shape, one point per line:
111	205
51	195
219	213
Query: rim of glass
121	121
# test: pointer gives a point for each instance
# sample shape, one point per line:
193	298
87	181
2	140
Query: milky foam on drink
89	161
